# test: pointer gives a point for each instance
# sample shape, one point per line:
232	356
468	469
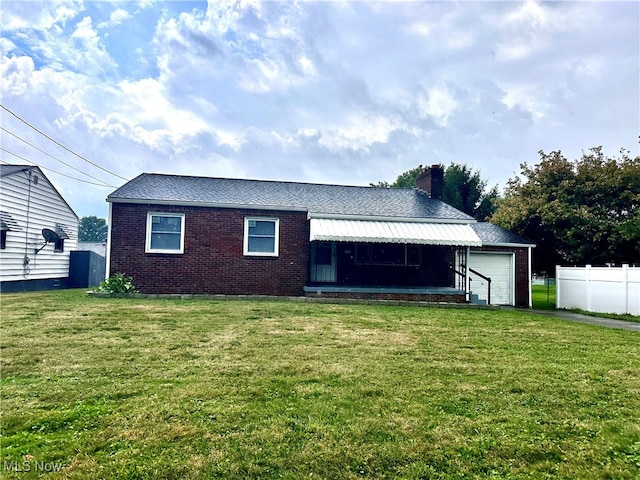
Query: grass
137	389
543	297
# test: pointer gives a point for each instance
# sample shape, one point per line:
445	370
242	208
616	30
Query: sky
347	93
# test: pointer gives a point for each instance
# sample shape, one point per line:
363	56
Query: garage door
498	267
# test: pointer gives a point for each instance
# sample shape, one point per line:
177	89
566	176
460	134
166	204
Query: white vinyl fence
599	289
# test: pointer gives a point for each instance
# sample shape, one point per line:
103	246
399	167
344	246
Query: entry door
323	262
498	267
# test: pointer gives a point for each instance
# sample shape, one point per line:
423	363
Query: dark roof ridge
291	182
317	198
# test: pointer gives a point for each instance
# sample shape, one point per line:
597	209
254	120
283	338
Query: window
261	236
165	233
388	254
58	246
3	239
324	253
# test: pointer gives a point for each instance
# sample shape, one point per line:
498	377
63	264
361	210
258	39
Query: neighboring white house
29	203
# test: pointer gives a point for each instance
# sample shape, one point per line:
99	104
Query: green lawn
543	297
195	389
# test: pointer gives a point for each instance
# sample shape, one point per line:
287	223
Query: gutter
185	203
378	218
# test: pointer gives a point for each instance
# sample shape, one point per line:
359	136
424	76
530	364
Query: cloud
340	92
359	132
437	103
531	27
16	75
116	18
527	98
18	15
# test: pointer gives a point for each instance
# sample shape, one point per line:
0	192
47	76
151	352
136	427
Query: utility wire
51	170
62	146
49	155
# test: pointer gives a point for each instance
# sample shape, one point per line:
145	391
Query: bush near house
117	283
139	388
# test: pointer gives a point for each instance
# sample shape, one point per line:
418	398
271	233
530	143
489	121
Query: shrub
117	283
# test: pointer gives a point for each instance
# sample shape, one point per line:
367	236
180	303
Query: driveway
577	317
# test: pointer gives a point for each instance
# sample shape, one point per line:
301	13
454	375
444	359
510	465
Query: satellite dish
49	237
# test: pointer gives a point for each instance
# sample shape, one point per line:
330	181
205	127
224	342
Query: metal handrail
488	279
461	276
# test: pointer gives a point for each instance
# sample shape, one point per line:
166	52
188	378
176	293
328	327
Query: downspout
108	259
466	275
530	280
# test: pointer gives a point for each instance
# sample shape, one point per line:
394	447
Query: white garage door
498	267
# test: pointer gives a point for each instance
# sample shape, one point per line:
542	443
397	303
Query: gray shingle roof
314	198
491	234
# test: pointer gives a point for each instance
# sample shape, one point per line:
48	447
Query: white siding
45	209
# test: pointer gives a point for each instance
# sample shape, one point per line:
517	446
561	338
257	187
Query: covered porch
389	260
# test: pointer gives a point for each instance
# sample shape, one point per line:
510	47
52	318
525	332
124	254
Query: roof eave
184	203
510	245
378	218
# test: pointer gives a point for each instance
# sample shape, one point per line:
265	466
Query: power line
49	155
62	146
51	170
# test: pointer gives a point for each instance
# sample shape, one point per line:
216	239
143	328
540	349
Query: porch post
467	282
310	252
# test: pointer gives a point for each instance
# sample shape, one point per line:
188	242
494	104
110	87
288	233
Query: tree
581	212
92	229
464	189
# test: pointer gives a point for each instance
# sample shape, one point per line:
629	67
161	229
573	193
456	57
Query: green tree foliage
407	179
464	189
92	229
581	212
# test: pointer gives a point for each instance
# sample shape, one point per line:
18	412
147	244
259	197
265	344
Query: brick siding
213	261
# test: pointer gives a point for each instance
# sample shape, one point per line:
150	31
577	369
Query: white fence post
559	286
625	285
587	270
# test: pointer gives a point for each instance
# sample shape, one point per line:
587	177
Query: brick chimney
431	180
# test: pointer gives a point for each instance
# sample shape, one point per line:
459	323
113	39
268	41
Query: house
181	234
39	229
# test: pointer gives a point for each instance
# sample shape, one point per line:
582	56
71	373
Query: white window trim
150	216
276	246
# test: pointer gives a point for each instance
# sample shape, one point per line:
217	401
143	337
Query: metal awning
7	222
454	234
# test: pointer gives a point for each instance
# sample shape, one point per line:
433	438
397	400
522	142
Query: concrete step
475	299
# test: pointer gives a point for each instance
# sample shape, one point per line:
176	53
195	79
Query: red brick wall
213	260
521	272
